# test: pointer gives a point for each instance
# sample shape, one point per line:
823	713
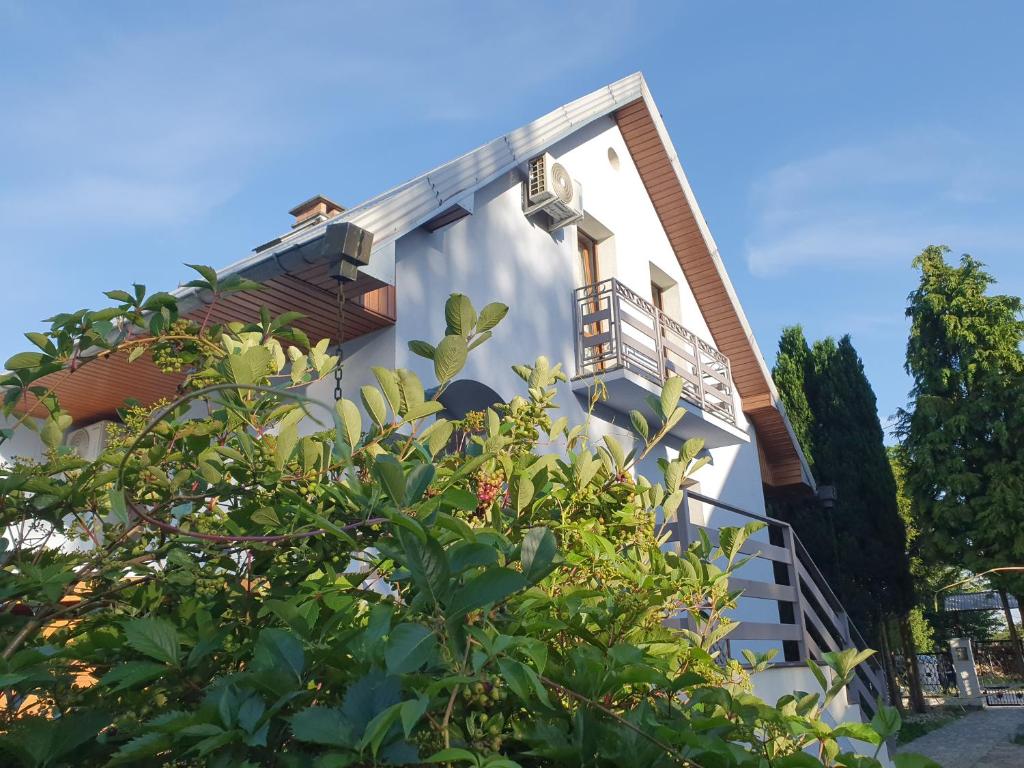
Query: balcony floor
628	391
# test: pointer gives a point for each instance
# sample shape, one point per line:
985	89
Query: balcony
631	346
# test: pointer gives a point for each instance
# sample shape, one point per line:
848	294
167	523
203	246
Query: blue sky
827	143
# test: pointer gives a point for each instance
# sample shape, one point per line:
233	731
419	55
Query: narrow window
595	354
658	296
588	258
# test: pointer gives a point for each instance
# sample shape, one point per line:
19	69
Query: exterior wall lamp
827	496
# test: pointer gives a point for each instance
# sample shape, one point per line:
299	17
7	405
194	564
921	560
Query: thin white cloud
143	131
863	206
153	125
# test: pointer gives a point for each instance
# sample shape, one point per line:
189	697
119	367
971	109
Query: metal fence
934	671
998	663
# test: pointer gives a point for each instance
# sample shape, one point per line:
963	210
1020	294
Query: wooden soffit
102	386
652	153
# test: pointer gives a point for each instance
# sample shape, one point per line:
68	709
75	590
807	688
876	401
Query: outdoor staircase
811	620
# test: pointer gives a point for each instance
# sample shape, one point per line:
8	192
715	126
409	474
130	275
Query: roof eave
712	249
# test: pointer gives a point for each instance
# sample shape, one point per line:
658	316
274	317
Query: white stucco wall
359	356
497	254
776	682
24	442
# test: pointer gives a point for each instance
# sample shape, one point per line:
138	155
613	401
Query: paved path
977	740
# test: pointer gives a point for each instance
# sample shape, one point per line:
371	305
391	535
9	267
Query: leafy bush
219	588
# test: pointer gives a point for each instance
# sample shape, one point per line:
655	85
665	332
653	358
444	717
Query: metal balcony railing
618	329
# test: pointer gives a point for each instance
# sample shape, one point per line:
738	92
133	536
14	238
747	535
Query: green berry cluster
483	728
473	421
484	692
209	586
172	355
166	360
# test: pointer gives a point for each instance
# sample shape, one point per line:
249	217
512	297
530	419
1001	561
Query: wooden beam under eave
99	388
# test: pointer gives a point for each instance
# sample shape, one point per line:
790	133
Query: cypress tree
793	368
790	375
874	575
860	544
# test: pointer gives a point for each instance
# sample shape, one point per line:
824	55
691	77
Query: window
588	258
665	292
658	296
589	273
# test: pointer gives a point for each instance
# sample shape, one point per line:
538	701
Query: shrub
490	591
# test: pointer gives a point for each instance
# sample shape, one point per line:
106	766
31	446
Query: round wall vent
613	158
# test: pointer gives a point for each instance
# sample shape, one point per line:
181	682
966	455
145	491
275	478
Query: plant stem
618	718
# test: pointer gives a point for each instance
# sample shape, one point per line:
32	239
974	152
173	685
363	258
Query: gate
999	664
934	671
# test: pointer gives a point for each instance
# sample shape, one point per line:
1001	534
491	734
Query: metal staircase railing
812	620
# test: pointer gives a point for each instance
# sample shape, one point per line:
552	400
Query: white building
623	282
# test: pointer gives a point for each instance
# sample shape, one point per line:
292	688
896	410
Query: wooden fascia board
698	256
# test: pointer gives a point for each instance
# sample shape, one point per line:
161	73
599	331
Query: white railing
617	328
812	621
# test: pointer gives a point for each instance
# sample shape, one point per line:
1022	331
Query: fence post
798	602
615	325
965	669
659	344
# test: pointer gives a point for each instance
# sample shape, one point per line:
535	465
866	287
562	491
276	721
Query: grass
917	725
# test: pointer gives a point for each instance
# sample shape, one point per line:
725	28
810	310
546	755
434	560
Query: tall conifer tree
848	441
963	431
861	542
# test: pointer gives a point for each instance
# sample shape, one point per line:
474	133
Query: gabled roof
629	101
294	262
403	208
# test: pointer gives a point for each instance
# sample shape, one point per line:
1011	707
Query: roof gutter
342	245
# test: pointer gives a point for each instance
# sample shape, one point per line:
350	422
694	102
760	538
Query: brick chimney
314	210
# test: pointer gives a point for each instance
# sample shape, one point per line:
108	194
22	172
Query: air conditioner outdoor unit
551	191
88	442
